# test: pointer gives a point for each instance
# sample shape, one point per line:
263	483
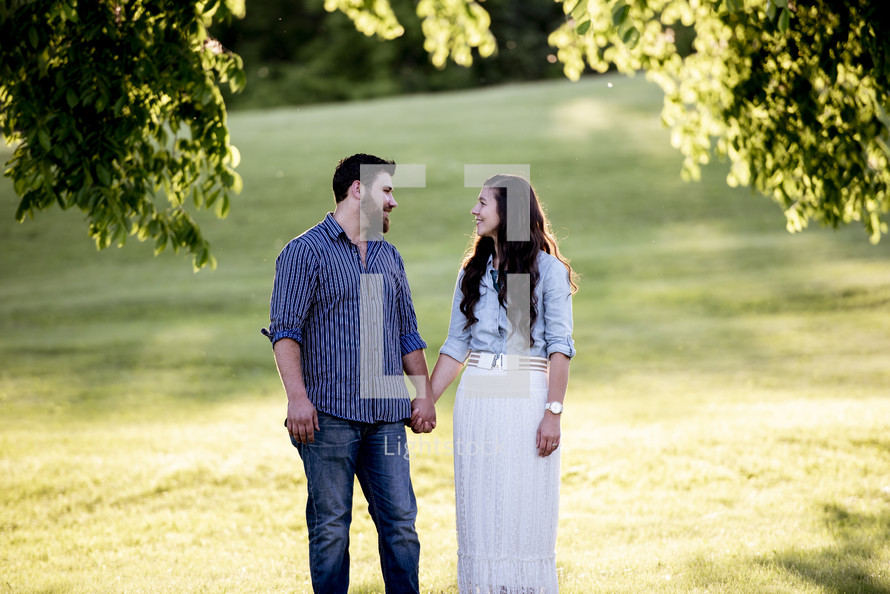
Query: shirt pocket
487	311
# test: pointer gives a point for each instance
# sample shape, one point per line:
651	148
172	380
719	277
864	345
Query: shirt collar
332	227
334	230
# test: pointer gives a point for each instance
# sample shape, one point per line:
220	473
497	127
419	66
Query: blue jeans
376	453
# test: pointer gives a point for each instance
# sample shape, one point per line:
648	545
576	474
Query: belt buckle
487	360
511	362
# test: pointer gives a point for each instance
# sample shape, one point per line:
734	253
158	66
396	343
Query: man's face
377	203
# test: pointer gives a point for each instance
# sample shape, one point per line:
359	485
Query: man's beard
374	222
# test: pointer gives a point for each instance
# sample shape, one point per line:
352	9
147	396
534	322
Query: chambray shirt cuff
296	334
411	342
566	347
455	350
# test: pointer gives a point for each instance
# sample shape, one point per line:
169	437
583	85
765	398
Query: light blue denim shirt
552	331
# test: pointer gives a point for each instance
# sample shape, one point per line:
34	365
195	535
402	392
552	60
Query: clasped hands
423	410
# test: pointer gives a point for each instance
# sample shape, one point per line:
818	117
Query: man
344	420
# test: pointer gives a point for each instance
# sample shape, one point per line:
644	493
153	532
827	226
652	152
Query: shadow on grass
852	564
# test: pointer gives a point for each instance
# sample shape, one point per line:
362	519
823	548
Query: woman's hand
423	414
549	433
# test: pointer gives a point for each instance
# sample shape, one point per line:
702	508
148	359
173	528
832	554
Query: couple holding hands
344	332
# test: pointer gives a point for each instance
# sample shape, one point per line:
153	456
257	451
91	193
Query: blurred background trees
296	52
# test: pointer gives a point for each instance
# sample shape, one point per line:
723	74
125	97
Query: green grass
727	420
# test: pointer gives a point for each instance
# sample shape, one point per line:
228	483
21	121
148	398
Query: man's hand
423	407
423	415
302	419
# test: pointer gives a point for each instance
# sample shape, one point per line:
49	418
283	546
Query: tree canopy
794	94
115	108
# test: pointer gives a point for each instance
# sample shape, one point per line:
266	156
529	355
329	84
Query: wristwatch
554	407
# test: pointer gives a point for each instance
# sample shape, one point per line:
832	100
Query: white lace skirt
507	496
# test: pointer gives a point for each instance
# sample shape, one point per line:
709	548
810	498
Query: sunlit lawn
727	425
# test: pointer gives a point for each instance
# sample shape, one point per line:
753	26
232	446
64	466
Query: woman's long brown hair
515	257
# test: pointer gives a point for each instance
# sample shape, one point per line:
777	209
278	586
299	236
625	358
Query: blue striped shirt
353	322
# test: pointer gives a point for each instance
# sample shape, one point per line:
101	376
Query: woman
511	322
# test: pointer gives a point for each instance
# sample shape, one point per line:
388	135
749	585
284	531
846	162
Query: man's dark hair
350	169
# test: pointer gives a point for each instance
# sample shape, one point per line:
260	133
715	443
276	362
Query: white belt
507	362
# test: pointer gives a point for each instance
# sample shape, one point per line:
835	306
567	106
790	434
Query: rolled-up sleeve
558	310
296	275
457	345
409	337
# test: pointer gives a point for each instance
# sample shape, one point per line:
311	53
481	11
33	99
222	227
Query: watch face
554	407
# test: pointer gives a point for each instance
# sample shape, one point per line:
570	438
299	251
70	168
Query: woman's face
486	213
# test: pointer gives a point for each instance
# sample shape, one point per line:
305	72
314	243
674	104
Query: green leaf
584	27
580	10
44	139
237	183
20	186
784	20
222	209
238	81
630	37
620	13
103	174
201	258
71	98
69	11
